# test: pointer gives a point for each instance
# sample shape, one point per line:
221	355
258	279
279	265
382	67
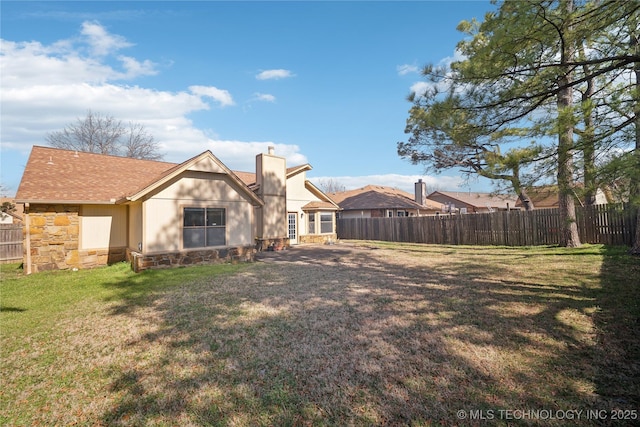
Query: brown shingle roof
480	200
53	174
379	197
249	178
319	205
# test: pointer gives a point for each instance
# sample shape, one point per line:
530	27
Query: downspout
27	224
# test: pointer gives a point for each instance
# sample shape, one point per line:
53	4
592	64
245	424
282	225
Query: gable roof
325	201
56	175
205	162
478	200
379	197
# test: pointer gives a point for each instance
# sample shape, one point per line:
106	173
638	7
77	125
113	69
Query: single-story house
377	201
547	197
470	202
83	210
11	217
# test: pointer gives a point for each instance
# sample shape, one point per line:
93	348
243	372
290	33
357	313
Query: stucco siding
135	226
271	180
163	212
103	226
298	196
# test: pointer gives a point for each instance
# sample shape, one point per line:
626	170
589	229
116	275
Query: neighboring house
14	217
468	202
546	197
376	201
84	210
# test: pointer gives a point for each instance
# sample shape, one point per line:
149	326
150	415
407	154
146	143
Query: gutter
66	202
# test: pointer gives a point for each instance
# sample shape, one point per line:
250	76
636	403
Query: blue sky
324	82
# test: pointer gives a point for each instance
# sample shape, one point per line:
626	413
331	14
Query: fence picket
10	243
608	224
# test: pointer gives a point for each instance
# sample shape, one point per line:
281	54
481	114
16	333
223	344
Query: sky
325	83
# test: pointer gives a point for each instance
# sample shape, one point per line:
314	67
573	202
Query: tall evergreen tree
532	70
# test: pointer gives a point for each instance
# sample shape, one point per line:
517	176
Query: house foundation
140	262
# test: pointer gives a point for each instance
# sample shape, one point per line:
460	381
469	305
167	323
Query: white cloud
421	87
274	74
135	68
403	182
46	87
456	57
220	95
406	69
240	155
264	97
102	43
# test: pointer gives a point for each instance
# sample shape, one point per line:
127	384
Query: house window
402	213
326	223
312	222
203	227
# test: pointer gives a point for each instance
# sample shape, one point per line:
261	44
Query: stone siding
318	238
54	232
140	262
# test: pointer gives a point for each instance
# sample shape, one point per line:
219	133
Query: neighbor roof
379	197
480	200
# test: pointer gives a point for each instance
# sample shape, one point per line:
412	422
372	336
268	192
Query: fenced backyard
611	224
10	243
351	334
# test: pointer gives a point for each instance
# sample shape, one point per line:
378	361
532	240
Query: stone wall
318	238
140	262
54	232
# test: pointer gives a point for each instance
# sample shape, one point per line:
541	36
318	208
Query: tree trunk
527	203
635	249
569	236
588	144
634	197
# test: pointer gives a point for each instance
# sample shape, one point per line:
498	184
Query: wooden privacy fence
612	224
10	243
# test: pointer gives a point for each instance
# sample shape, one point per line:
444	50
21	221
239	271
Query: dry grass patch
364	333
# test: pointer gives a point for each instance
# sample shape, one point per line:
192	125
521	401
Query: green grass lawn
369	333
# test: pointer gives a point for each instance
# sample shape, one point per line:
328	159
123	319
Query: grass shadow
340	336
618	325
12	309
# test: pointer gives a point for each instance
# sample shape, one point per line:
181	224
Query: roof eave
320	194
66	202
185	166
297	169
